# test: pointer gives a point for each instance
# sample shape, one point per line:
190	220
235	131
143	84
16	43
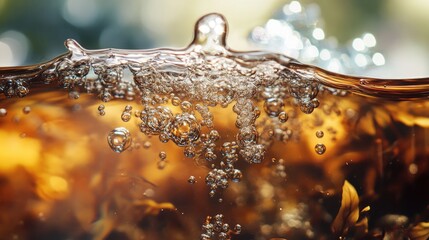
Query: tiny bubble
3	112
26	110
319	134
191	180
162	155
283	117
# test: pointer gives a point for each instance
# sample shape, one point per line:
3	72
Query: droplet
26	110
319	134
273	106
191	180
3	112
210	33
283	117
320	148
119	139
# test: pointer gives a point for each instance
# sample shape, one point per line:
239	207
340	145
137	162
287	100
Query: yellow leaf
420	231
349	211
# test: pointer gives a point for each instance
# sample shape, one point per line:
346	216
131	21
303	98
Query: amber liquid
61	180
208	143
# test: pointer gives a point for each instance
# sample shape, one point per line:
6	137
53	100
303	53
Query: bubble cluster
101	111
247	135
209	144
273	106
14	88
155	119
184	129
126	114
119	139
216	179
303	89
279	169
216	228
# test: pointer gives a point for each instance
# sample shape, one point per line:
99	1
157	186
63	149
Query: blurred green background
34	31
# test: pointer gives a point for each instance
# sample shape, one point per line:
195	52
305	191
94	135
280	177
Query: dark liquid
298	153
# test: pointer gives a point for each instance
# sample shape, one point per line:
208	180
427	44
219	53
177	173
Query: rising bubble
119	139
320	148
273	106
319	134
3	112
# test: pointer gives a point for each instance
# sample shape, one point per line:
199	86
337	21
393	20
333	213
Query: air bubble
162	155
147	144
236	175
175	101
119	139
320	148
191	180
126	116
155	120
161	164
3	112
74	95
26	109
237	228
101	111
319	134
128	108
273	106
186	106
189	152
283	117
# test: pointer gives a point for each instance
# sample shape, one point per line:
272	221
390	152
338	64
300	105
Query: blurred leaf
361	227
420	231
152	207
349	211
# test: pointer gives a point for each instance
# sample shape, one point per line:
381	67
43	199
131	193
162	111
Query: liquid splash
162	71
